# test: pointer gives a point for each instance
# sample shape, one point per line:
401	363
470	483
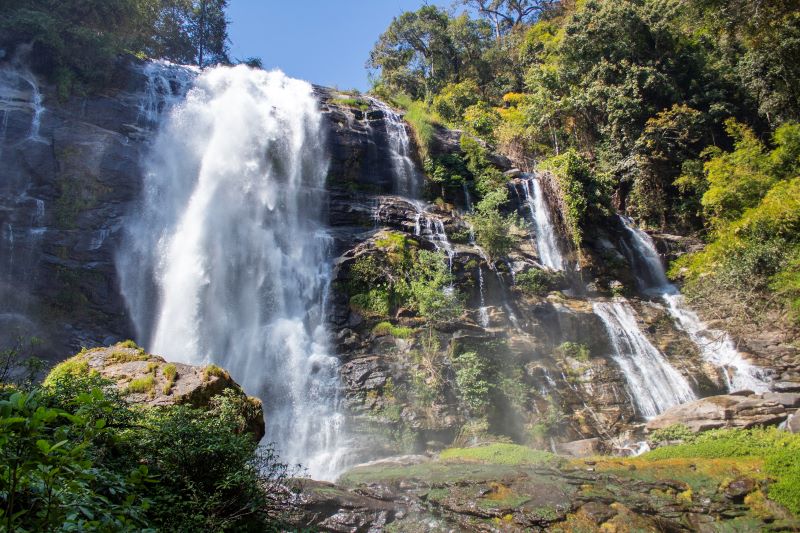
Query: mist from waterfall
716	347
227	259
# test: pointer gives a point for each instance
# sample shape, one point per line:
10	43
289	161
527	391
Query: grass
141	385
779	451
214	371
498	454
387	328
170	372
358	103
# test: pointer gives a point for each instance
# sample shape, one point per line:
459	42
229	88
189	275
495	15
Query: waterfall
226	260
407	178
546	239
654	384
716	347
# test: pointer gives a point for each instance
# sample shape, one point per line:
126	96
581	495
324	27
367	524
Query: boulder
786	386
724	411
580	448
786	399
150	380
793	424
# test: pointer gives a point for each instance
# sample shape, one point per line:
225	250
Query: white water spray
407	178
544	232
227	260
716	347
654	384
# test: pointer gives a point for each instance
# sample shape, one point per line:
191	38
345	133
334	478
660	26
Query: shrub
215	371
372	303
387	328
575	350
493	230
472	380
534	282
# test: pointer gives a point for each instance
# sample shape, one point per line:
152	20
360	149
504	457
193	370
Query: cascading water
407	178
227	259
716	347
654	384
545	236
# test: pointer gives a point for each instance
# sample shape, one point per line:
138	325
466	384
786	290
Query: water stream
715	346
227	259
545	236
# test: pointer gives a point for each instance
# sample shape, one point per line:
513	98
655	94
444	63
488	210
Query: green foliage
401	275
676	432
494	232
141	385
499	454
535	282
76	366
75	457
451	102
77	46
575	350
19	367
753	204
583	193
779	449
357	103
387	328
212	370
473	380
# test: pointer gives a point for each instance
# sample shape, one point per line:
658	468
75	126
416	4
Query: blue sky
322	41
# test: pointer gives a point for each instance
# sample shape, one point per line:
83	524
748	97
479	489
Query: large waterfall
227	257
716	347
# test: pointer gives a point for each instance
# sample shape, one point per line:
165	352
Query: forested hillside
679	113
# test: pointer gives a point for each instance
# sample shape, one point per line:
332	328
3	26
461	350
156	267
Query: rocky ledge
741	410
150	380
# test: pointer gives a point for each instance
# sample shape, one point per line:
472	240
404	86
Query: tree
416	54
506	14
208	31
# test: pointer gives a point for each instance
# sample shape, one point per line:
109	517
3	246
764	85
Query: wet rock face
63	193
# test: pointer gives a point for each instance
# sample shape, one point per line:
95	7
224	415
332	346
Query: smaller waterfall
654	384
545	235
483	311
166	86
716	347
407	178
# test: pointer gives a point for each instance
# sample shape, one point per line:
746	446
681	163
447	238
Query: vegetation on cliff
77	455
678	113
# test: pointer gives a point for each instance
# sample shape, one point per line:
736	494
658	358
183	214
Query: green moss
125	356
75	366
141	385
387	328
500	454
129	344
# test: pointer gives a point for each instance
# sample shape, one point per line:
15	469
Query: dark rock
786	386
739	488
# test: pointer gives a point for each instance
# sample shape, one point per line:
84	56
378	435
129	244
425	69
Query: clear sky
323	41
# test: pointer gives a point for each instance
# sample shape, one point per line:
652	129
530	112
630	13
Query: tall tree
506	14
208	30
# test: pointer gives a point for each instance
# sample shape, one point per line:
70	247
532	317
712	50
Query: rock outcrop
149	380
727	411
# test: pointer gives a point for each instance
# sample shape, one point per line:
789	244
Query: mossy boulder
150	380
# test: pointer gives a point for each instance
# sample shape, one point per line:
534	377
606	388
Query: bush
373	303
472	380
575	350
387	328
75	457
494	232
534	282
